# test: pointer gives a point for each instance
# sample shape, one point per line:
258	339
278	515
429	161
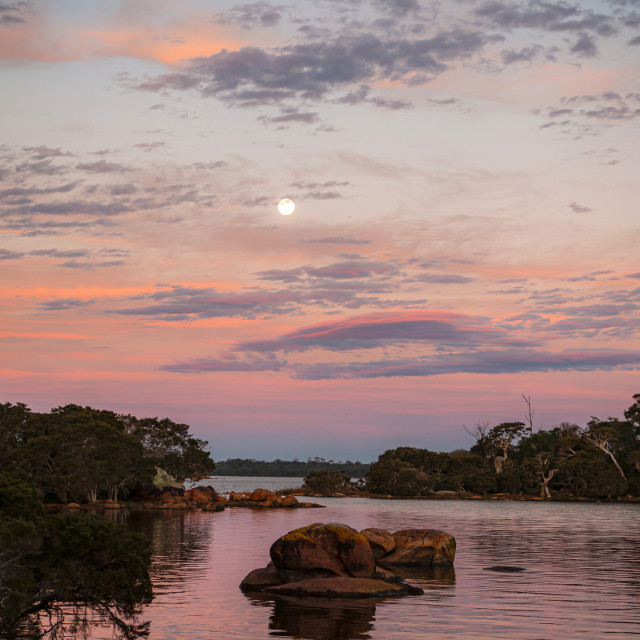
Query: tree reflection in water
179	540
344	619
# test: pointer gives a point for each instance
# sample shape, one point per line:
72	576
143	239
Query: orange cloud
41	40
44	335
192	42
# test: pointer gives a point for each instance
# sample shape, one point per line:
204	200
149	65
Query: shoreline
246	502
504	497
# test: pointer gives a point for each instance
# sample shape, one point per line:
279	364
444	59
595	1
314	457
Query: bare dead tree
528	416
480	433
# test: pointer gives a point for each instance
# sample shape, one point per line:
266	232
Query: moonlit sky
466	230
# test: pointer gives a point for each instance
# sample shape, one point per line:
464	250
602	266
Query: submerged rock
504	569
342	587
260	579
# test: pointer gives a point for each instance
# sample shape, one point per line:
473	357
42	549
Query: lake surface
224	484
582	578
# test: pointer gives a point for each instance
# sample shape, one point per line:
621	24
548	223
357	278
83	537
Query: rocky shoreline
174	496
204	498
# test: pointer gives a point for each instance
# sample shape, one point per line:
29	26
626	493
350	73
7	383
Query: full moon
286	207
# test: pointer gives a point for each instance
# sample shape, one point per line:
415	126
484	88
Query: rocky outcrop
334	560
420	548
175	496
203	497
266	498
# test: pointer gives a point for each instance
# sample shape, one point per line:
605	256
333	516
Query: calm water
224	484
582	577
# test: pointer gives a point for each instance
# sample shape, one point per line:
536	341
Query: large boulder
380	540
199	496
323	549
289	501
262	495
421	548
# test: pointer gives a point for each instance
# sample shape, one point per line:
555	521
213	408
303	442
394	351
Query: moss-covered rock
334	548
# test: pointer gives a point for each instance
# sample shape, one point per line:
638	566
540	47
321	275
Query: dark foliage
64	572
328	482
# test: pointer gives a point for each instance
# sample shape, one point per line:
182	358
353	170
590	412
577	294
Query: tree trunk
544	483
614	462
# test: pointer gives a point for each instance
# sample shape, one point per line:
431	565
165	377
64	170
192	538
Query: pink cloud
398	326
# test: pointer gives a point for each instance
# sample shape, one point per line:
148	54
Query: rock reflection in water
343	619
320	618
432	578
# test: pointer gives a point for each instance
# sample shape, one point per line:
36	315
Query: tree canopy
80	453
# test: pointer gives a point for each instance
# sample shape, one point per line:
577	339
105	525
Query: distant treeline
288	468
601	460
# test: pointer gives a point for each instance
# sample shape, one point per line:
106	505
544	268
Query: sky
466	231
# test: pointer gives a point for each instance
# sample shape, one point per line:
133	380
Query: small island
336	561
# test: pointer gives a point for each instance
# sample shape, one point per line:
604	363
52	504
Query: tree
13	421
589	474
468	472
56	570
77	452
634	459
170	446
605	436
504	434
327	482
632	414
545	469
